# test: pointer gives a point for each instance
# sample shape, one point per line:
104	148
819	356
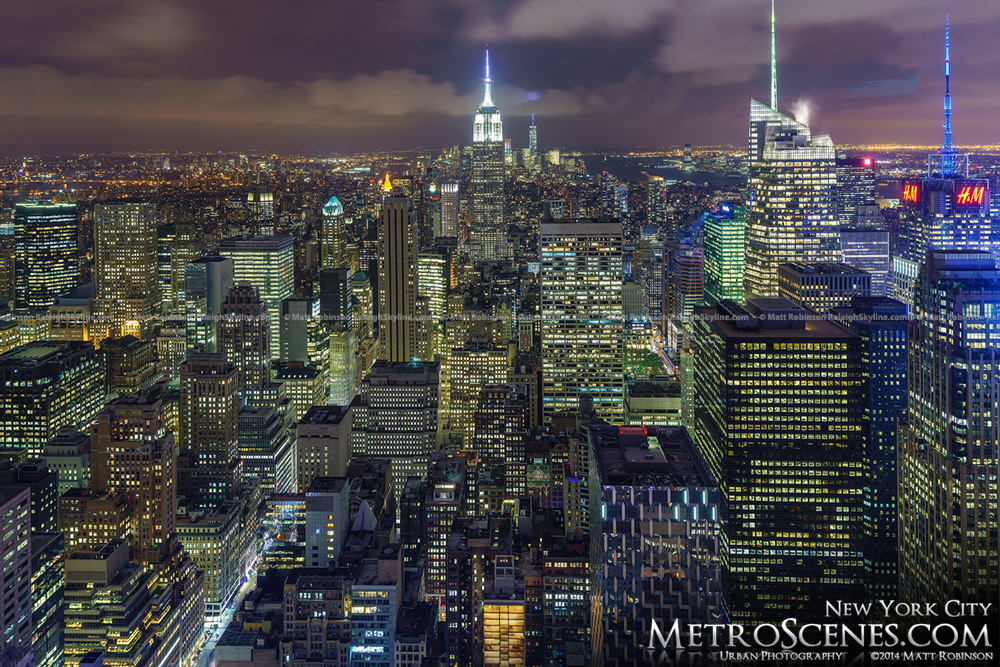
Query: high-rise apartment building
779	421
267	263
323	443
327	519
488	233
397	280
724	253
45	386
500	432
45	252
446	495
948	447
582	317
376	597
208	465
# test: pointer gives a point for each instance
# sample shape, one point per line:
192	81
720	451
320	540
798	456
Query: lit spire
488	82
774	65
948	146
387	185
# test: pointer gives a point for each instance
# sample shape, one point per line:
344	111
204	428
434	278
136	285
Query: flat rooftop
821	268
647	456
327	485
771	319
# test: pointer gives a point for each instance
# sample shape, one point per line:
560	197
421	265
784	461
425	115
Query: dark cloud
341	75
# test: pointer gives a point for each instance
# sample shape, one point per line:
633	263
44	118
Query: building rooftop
254	242
327	485
647	456
324	414
820	268
770	319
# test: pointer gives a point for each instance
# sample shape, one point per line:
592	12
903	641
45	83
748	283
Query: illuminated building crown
488	125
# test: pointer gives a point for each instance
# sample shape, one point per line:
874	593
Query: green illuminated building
724	252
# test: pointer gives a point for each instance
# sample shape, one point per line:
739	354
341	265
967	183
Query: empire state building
488	235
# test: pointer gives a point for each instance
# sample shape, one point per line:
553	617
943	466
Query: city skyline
122	77
500	402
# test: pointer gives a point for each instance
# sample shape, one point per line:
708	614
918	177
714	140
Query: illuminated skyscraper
867	249
464	372
820	286
533	138
47	588
488	235
15	605
397	280
779	421
948	448
208	465
582	317
171	295
334	251
434	283
882	325
944	210
792	212
45	386
125	267
244	339
724	253
657	205
651	472
449	209
267	263
855	186
45	244
395	417
132	452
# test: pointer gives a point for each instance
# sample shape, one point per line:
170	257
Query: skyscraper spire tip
774	64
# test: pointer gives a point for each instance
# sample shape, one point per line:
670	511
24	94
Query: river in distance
633	168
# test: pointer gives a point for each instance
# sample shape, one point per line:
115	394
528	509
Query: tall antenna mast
948	146
774	65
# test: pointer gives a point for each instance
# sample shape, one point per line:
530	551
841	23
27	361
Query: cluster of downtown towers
432	479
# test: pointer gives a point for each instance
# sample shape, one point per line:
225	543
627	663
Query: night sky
338	76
